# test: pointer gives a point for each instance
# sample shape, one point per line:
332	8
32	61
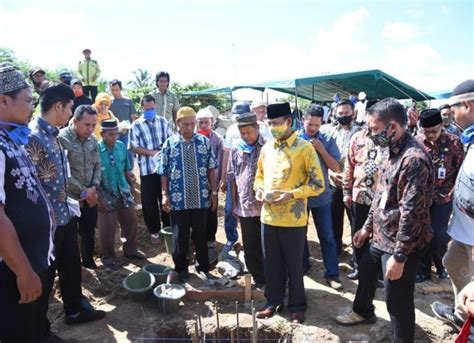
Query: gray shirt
166	105
123	109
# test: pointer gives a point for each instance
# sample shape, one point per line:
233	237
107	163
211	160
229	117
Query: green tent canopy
375	83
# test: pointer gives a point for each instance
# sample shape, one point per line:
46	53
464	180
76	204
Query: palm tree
143	79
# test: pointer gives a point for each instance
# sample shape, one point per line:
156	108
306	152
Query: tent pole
296	97
231	99
312	96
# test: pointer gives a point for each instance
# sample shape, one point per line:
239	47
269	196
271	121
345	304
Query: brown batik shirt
399	217
447	154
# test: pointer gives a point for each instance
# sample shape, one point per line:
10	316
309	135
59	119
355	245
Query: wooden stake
248	287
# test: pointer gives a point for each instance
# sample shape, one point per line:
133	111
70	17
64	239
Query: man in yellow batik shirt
288	173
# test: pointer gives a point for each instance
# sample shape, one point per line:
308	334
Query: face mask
247	148
19	135
149	114
467	136
78	93
381	139
344	120
206	133
279	131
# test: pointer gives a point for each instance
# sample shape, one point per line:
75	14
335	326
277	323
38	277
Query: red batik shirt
399	217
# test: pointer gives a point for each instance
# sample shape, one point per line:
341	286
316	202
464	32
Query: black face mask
344	120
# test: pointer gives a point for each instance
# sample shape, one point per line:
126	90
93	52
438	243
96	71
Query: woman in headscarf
102	105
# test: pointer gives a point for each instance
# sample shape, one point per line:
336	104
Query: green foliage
142	85
220	101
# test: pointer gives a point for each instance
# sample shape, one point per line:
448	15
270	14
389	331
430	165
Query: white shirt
461	226
360	108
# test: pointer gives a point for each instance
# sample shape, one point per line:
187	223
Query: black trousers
90	91
211	225
150	187
283	252
182	222
360	213
25	323
68	266
252	239
398	293
87	223
337	212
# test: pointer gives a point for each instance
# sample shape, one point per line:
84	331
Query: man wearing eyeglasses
116	200
447	154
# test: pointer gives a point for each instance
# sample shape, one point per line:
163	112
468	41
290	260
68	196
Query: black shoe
353	275
422	278
84	316
89	264
447	314
183	276
137	255
442	274
306	269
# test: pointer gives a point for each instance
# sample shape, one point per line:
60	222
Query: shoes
228	247
109	265
297	317
137	255
334	283
155	238
442	274
211	252
447	314
265	312
183	277
422	278
89	264
353	275
306	269
84	316
353	318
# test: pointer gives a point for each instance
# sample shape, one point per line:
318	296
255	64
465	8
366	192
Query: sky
427	44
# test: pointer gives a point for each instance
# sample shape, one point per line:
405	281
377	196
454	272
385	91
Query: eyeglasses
111	159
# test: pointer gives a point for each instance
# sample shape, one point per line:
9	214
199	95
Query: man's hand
259	195
360	237
91	197
234	212
29	286
347	201
223	186
466	298
394	269
283	196
214	202
93	78
318	146
165	202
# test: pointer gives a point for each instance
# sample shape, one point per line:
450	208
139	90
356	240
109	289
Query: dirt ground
128	320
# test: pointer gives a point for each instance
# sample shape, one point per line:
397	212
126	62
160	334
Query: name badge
441	173
383	200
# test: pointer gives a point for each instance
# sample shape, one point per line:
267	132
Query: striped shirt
148	135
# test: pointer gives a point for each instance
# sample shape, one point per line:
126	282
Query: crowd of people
403	179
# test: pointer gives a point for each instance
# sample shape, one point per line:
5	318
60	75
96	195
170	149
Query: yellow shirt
291	165
101	117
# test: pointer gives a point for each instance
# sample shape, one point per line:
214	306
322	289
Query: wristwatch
400	257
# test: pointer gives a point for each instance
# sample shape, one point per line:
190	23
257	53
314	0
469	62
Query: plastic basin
169	296
139	284
167	233
160	272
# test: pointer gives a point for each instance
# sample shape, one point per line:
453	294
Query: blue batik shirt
332	149
186	165
50	162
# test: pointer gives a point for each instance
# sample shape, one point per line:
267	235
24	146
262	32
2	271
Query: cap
185	112
109	124
86	50
362	96
257	104
246	119
35	70
204	113
463	92
430	117
278	110
239	108
11	79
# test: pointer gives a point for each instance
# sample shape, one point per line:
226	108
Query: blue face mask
149	114
467	136
247	148
19	134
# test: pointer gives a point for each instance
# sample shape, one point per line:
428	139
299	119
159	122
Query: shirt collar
397	147
46	127
289	141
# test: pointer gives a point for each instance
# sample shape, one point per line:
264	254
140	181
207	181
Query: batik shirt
186	165
399	217
447	154
166	104
362	168
242	169
453	129
293	166
50	162
342	137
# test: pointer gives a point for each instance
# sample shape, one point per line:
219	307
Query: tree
219	100
142	85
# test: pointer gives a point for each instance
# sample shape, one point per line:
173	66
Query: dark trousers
435	251
360	213
90	91
283	252
150	187
398	293
182	222
252	239
87	223
211	225
25	323
68	265
337	212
